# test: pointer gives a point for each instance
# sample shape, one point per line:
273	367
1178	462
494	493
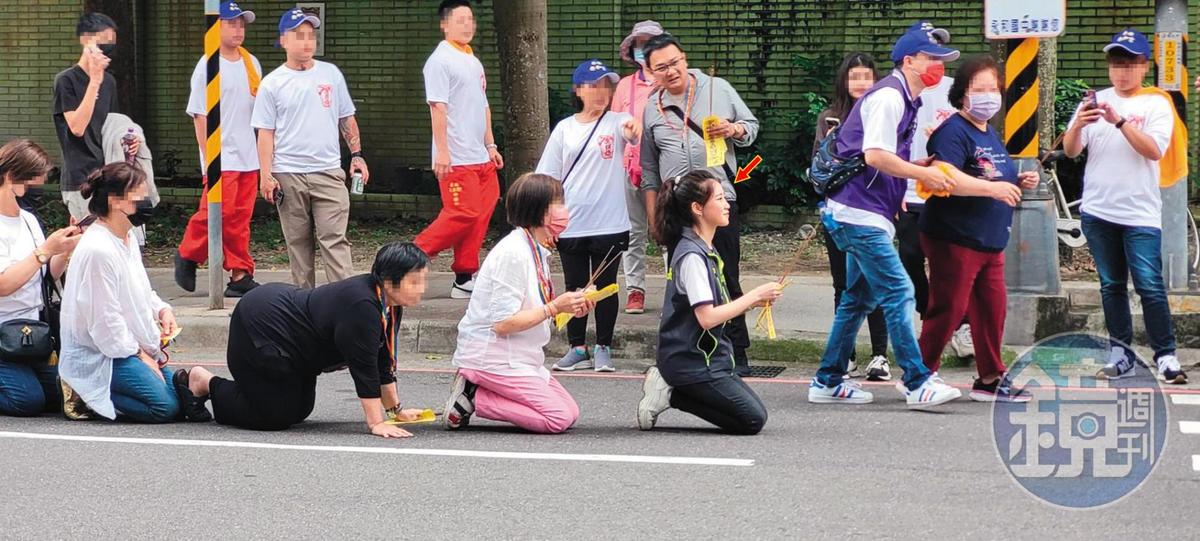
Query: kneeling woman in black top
694	369
282	337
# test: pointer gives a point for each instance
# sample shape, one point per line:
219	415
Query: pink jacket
630	97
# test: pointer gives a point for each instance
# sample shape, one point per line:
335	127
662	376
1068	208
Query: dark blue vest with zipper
687	353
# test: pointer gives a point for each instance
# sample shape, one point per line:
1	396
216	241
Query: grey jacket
667	151
115	127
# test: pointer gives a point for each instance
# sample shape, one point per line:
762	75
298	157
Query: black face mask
145	211
108	49
32	198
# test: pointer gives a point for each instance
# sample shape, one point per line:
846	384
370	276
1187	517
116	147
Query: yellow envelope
714	147
926	193
560	321
426	416
167	339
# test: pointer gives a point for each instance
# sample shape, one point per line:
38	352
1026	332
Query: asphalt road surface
816	472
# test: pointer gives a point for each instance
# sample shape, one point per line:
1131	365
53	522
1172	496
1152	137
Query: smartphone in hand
1089	100
84	223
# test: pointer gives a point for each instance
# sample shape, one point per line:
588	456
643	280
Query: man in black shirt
84	94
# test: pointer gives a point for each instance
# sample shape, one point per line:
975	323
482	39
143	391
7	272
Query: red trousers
238	191
469	195
964	281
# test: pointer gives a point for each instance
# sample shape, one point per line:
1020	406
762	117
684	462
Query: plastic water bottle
127	144
356	184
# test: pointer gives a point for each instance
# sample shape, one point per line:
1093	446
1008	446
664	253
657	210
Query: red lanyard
391	327
545	285
687	112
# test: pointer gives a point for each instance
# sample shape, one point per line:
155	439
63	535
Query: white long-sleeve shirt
109	311
506	284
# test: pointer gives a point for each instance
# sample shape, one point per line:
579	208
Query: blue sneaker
603	359
575	359
847	392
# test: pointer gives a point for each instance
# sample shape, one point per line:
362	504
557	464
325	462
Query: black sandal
191	408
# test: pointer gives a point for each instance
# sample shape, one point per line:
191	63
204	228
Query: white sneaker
934	392
852	369
961	342
846	392
903	389
462	291
656	398
879	370
1119	365
1169	370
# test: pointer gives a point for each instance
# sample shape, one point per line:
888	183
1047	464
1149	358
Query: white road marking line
1189	427
1186	399
1196	462
679	460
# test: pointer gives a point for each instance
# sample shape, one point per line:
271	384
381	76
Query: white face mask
983	106
639	56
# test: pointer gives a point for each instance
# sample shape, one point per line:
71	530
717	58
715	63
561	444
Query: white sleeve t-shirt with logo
1120	185
935	109
304	107
239	148
595	189
456	79
19	237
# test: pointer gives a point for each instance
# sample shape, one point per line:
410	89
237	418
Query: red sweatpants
964	281
469	195
238	190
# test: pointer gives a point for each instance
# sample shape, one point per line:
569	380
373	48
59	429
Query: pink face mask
557	221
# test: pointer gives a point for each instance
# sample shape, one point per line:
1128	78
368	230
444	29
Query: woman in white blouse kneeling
501	365
112	321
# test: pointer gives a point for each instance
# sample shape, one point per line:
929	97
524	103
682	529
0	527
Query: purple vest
873	190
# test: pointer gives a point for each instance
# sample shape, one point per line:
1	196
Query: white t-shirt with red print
304	107
1120	185
595	189
935	109
456	78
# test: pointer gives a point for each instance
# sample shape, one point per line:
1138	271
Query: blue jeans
27	390
139	395
874	278
1119	251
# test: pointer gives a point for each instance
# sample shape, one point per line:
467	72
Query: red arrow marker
743	173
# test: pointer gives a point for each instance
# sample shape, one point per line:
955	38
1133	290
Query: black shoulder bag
583	149
30	341
699	131
830	172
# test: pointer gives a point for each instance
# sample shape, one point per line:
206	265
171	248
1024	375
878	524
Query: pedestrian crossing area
1191	415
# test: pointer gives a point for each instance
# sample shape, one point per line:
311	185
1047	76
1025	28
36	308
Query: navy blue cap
1131	40
295	17
914	42
231	10
942	35
592	70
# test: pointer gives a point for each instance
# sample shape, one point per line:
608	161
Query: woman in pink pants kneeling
501	364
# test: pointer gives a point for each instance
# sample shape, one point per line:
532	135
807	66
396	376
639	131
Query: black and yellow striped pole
1032	251
1021	95
212	153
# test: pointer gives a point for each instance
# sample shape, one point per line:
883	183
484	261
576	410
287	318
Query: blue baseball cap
231	10
942	35
914	42
1131	40
295	17
592	70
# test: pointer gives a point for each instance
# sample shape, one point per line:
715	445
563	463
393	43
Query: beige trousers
314	212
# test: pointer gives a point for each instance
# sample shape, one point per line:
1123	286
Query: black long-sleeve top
328	328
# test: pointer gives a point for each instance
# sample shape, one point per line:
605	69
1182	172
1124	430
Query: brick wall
382	45
37	40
